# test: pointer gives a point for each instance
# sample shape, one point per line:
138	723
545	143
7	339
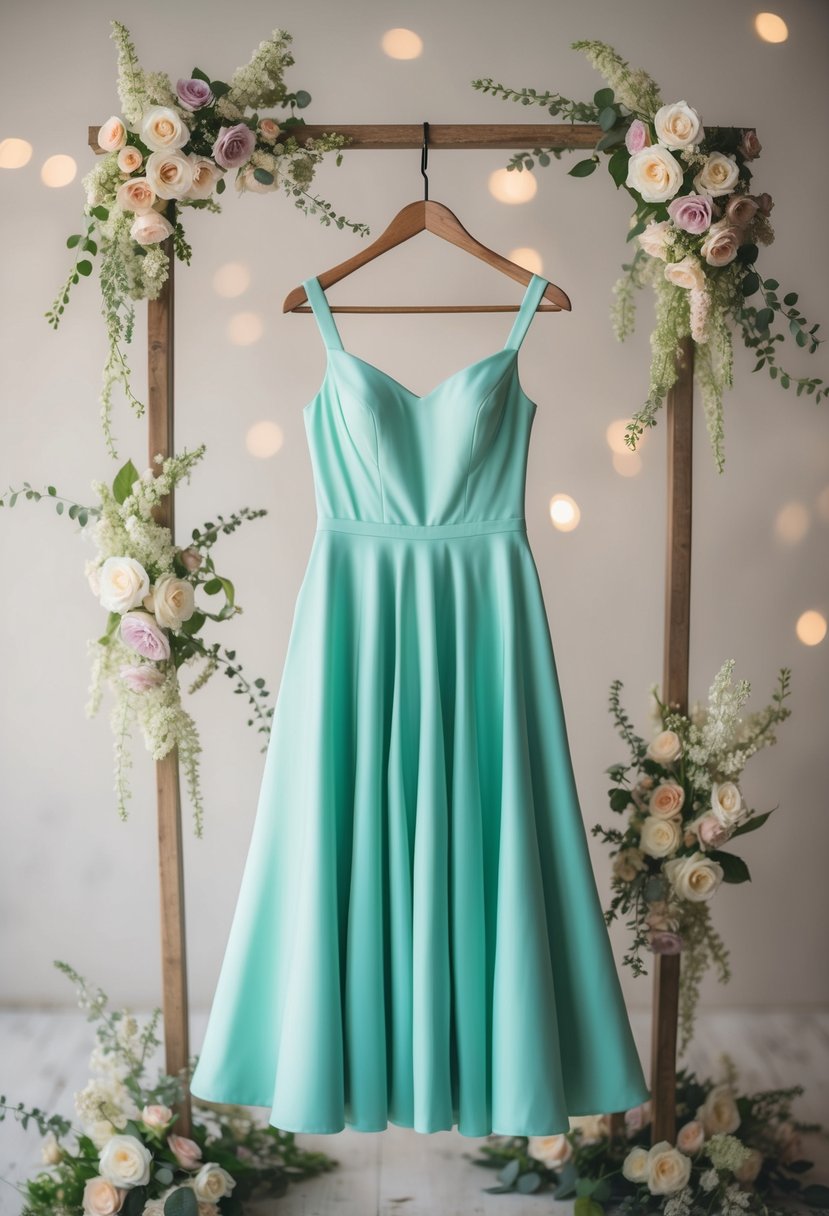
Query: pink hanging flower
139	631
141	676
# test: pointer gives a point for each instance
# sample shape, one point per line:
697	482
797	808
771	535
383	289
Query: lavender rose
691	212
194	94
233	146
662	941
139	630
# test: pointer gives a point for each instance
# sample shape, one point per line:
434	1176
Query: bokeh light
791	523
14	153
527	257
264	439
770	27
811	628
402	44
564	512
231	280
512	187
245	328
58	170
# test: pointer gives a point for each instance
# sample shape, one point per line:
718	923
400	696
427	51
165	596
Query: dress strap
325	320
532	296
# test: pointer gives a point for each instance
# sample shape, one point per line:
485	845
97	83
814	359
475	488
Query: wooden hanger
432	217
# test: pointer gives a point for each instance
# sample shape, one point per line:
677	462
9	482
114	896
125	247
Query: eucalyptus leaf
607	118
181	1202
528	1183
583	168
510	1172
302	99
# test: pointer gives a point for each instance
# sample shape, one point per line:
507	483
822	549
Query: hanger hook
424	154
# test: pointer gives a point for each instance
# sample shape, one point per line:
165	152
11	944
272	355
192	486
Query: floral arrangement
148	587
683	803
128	1158
733	1152
698	221
171	148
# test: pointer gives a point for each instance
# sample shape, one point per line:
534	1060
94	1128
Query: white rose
726	803
635	1165
719	175
719	1113
212	1182
551	1151
653	238
688	273
668	1169
150	228
677	125
169	173
125	1161
124	582
665	748
654	173
162	129
695	877
171	601
659	837
591	1128
156	1116
205	175
50	1149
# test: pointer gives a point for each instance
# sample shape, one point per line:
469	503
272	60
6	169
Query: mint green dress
418	937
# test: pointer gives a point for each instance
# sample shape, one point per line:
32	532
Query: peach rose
112	135
186	1152
654	238
269	130
726	803
718	1113
169	173
551	1151
748	1169
719	175
163	129
101	1198
635	1165
171	600
691	1137
655	173
205	175
665	748
721	243
150	228
156	1116
688	273
668	1169
136	195
667	800
695	877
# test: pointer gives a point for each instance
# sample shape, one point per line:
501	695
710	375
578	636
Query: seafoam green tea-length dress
418	937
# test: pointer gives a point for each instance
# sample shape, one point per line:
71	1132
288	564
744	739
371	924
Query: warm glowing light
564	512
245	328
264	439
811	628
770	27
231	280
627	464
791	523
615	436
529	258
402	44
58	170
14	153
512	187
823	503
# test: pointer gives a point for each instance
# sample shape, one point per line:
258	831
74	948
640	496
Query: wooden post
161	329
679	426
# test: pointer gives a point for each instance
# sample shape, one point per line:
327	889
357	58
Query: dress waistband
368	527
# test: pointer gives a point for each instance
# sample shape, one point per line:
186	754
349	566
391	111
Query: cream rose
721	243
156	1116
50	1150
668	1169
726	803
123	582
691	1137
212	1182
659	837
205	175
150	228
719	175
125	1161
688	273
135	195
667	800
101	1198
169	173
591	1128
171	601
635	1165
551	1151
719	1113
654	238
665	748
112	135
677	125
162	129
695	877
654	173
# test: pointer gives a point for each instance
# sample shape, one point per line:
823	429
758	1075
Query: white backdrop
77	883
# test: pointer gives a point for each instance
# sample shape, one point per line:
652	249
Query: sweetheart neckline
505	350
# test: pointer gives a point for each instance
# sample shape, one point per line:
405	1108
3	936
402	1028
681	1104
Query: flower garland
128	1157
683	804
733	1152
148	587
698	223
170	149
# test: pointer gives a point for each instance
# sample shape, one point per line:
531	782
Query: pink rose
190	557
194	94
764	203
690	1137
711	832
637	136
233	146
664	942
749	146
156	1116
151	228
740	210
691	212
140	676
139	630
186	1152
638	1117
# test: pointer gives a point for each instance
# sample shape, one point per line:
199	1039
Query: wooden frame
679	435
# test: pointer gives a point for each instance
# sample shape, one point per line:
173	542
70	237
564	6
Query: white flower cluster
260	82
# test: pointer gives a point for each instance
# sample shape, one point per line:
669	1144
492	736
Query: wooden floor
44	1056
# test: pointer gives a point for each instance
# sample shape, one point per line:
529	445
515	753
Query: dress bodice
458	454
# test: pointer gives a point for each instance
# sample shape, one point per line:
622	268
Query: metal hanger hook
424	155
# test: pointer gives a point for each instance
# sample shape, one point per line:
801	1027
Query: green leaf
750	825
771	284
83	518
764	318
603	98
510	1172
218	88
618	166
262	175
122	485
302	99
607	118
750	283
815	1194
220	186
583	168
100	212
734	868
585	1206
800	338
619	799
51	490
602	1190
164	1175
193	624
198	74
59	508
71	241
213	586
84	267
790	298
134	1202
528	1183
566	1182
181	1202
